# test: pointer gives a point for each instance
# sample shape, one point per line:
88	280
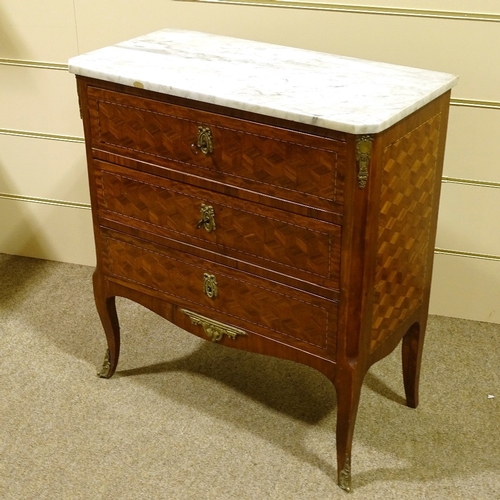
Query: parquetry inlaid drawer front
271	238
290	165
267	308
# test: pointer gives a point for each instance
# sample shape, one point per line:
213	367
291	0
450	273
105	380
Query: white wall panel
39	100
43	169
466	288
44	31
46	232
468	219
104	23
473	146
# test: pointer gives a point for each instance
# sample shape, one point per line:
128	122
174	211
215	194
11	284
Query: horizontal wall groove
33	64
364	9
475	103
41	135
471	182
45	201
471	255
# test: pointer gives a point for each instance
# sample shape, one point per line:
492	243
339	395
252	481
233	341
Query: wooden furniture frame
267	235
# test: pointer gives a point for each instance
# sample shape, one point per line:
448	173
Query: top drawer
293	166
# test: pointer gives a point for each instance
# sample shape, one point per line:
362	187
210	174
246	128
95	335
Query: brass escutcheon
205	140
210	285
207	218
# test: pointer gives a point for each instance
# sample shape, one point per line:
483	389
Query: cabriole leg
348	395
107	312
413	343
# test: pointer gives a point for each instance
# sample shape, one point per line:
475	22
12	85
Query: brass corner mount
363	155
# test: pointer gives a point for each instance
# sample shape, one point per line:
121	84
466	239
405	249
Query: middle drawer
287	243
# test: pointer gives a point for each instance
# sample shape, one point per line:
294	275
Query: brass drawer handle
204	142
210	285
213	329
207	218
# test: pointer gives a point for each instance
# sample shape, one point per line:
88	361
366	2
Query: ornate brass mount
345	476
205	141
213	329
210	285
207	218
106	366
363	154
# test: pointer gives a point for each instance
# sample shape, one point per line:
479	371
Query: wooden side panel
407	200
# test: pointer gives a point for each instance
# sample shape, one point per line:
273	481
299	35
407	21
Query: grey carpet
188	419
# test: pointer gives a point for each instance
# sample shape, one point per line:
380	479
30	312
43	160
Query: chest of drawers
261	231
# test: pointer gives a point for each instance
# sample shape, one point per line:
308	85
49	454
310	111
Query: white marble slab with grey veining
335	92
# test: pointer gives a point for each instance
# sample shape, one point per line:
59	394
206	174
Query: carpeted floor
185	419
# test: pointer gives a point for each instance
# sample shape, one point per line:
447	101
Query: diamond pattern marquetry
267	159
146	132
408	187
261	235
278	311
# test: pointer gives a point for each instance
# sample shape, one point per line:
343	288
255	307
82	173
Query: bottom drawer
251	303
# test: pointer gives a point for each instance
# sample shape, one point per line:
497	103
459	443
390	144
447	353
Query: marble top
330	91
